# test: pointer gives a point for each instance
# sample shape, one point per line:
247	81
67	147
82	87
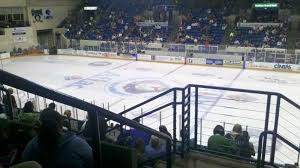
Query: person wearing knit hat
236	131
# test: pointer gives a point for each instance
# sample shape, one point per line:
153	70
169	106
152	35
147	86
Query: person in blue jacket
53	148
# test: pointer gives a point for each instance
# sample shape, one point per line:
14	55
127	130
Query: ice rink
122	84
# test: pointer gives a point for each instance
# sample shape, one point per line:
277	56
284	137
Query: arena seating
269	37
201	27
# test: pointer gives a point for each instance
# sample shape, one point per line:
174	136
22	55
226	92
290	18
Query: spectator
219	143
67	119
163	129
236	132
140	149
27	114
154	149
13	102
87	129
55	148
246	148
50	108
28	107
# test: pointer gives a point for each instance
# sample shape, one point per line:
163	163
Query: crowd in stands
113	24
206	26
261	36
234	143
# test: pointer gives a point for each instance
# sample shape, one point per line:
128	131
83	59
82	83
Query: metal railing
197	109
261	148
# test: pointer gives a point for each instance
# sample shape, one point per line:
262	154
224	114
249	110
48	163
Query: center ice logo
100	63
140	86
146	86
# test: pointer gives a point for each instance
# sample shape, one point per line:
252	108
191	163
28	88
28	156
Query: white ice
115	77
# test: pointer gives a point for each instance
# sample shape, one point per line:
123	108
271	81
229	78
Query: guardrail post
45	103
201	131
266	128
142	119
159	118
196	117
298	157
169	156
182	131
189	118
76	114
61	110
174	120
274	138
97	152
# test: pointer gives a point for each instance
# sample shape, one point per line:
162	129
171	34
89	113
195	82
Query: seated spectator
67	119
139	134
50	108
219	143
27	114
154	149
28	107
55	148
87	129
163	129
140	149
13	102
246	148
236	132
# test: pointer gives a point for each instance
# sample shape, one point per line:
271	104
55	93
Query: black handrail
147	101
260	153
12	80
267	93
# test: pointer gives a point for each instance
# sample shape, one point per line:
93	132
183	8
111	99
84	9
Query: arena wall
24	37
234	63
13	3
59	10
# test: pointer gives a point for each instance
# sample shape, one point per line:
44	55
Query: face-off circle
275	79
242	98
144	69
100	63
72	77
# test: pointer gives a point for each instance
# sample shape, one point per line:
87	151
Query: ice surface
121	84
